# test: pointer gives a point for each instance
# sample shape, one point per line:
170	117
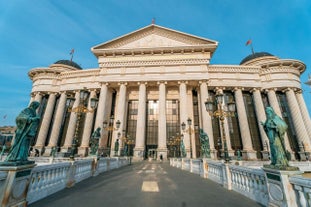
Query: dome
69	63
254	56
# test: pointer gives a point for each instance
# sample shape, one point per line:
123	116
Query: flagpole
252	48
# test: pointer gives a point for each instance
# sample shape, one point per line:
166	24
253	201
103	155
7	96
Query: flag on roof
248	42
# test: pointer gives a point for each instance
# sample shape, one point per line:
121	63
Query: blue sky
37	33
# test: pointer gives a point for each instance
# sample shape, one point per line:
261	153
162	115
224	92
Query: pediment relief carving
154	36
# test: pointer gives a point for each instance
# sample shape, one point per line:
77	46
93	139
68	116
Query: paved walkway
146	184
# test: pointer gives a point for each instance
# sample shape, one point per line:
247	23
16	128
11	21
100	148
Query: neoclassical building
152	80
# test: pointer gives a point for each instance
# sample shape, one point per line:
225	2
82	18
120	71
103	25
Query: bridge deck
151	184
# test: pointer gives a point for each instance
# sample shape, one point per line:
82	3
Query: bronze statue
275	129
116	147
205	147
95	141
182	149
27	123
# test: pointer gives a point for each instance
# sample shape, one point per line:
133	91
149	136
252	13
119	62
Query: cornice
154	62
232	69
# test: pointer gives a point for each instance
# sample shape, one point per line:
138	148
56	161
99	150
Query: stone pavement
146	184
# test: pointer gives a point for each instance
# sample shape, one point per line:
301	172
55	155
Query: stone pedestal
304	156
83	151
13	191
281	192
265	155
249	155
214	154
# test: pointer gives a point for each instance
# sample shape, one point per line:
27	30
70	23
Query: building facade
153	80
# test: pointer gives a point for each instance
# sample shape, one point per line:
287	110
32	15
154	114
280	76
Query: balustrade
302	187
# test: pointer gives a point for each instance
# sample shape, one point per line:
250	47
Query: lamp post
128	142
109	127
220	113
189	130
79	110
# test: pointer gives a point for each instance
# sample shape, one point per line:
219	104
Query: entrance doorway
152	154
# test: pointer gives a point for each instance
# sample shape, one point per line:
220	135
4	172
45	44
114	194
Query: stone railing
249	182
252	181
302	188
47	179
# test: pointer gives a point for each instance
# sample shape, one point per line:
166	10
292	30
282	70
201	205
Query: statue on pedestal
182	149
275	129
205	147
95	141
27	123
116	147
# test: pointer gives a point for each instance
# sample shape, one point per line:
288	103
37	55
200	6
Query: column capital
164	82
51	93
238	89
270	89
254	90
104	83
204	81
299	91
122	83
142	82
219	90
288	89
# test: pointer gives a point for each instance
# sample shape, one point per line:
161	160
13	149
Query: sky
37	33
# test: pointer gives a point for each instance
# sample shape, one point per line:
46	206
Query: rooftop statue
275	129
205	147
27	123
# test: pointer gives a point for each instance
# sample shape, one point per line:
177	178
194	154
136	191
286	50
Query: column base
48	151
38	151
214	154
83	151
249	155
139	154
304	156
265	155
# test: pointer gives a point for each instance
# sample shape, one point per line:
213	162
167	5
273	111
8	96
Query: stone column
32	98
304	112
45	124
87	131
38	97
184	113
261	117
72	125
57	124
301	132
141	122
206	118
120	115
101	113
162	149
248	151
273	101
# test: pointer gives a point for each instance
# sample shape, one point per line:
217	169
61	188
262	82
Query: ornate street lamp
109	127
79	110
221	114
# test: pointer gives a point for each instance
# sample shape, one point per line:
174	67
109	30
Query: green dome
68	62
254	56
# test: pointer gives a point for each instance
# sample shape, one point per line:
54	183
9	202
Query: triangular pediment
154	36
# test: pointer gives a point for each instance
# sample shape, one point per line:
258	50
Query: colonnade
296	103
